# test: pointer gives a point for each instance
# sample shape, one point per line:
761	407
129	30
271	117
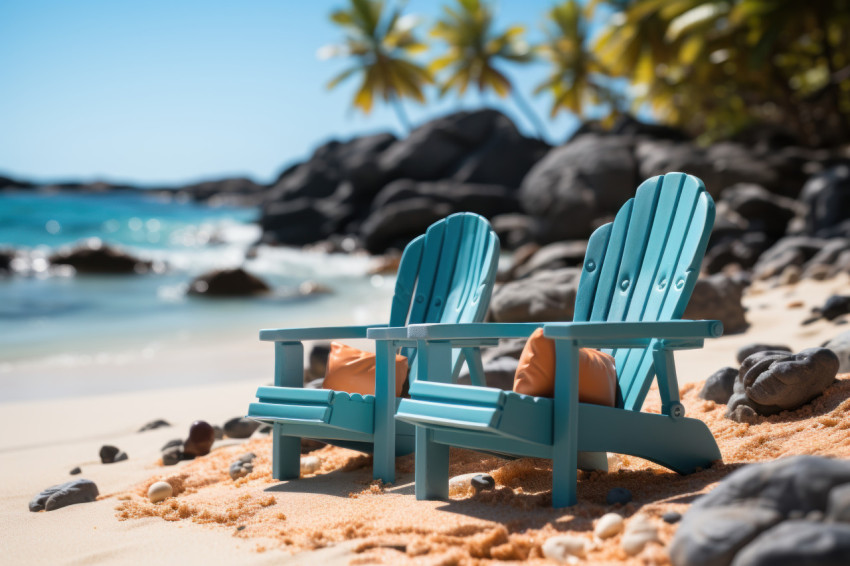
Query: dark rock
827	197
514	230
318	360
172	443
718	386
227	283
791	250
302	221
750	501
591	176
627	125
745	352
6	257
486	200
835	306
242	466
218	432
744	250
771	382
543	296
240	427
93	256
172	455
718	297
264	429
742	413
396	224
111	454
158	423
75	471
553	256
201	438
765	212
671	517
498	373
69	493
239	191
838	505
793	543
841	346
482	482
619	495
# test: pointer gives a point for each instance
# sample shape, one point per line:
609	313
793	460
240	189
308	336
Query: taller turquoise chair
446	275
638	275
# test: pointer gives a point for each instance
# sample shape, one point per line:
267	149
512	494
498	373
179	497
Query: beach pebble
481	482
671	517
562	548
75	471
172	455
310	464
158	423
111	454
240	427
242	466
799	542
638	533
745	352
159	491
841	346
718	386
608	525
743	414
835	306
172	444
62	495
619	495
201	438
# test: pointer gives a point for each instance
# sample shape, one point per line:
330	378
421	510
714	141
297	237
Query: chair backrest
446	275
643	267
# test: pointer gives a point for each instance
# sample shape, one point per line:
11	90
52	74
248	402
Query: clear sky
172	91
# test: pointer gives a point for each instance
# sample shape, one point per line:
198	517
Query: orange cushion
535	375
353	370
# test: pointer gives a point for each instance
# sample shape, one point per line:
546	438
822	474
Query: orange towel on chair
535	375
353	370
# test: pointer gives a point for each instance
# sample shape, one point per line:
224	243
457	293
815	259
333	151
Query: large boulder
396	224
481	146
301	221
553	256
827	197
543	296
228	283
718	297
94	256
765	212
791	250
589	177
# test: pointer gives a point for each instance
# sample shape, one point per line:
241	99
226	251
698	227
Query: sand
339	515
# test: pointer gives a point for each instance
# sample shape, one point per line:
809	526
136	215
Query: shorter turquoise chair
637	277
446	275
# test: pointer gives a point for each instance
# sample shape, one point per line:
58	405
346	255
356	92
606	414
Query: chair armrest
315	333
387	333
472	331
637	332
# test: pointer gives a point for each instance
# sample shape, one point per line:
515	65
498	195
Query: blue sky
167	91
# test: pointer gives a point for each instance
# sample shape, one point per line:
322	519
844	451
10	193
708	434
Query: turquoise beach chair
638	275
446	275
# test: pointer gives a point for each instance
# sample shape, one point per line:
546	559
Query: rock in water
745	352
93	256
228	283
201	438
69	493
608	525
561	548
619	495
719	385
159	491
240	427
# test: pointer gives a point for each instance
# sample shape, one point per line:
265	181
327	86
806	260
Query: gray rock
76	470
619	495
591	176
110	454
158	423
838	505
794	543
228	283
482	482
741	413
827	197
718	387
544	296
743	249
242	466
791	250
764	211
240	427
498	373
751	500
554	256
833	258
718	297
671	517
841	346
172	455
745	352
62	495
172	443
218	432
397	223
772	382
514	230
835	306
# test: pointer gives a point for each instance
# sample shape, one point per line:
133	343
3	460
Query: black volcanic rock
228	283
827	197
93	256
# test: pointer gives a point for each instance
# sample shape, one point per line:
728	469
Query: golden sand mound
340	502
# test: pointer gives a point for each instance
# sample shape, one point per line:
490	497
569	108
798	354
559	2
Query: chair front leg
383	461
565	423
432	466
288	372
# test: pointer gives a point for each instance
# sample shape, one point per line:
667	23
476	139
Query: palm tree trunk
400	114
525	108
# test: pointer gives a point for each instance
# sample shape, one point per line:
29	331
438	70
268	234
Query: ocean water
54	314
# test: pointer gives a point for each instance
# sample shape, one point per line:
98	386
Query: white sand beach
41	440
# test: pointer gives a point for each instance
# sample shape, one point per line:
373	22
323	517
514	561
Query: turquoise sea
46	312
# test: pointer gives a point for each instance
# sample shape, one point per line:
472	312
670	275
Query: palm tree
577	77
382	43
474	51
